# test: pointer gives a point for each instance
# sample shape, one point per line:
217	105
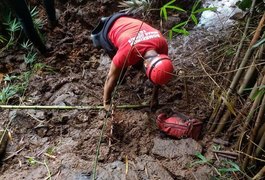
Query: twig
227	156
13	154
258	159
48	170
225	153
50	156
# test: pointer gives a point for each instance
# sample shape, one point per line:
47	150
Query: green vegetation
12	26
224	169
135	6
180	28
144	6
32	161
16	85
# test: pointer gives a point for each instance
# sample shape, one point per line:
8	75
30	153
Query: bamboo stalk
251	69
249	74
260	133
238	74
247	55
255	131
252	111
260	145
260	174
236	121
69	107
243	37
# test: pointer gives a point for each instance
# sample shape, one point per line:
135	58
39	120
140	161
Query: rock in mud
170	148
144	167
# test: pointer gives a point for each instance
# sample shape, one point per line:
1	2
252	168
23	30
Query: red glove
179	126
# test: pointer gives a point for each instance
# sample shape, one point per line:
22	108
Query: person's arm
110	84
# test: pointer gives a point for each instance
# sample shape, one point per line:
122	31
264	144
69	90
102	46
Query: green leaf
228	105
260	42
202	157
195	20
234	165
164	13
180	24
205	9
181	31
260	92
244	4
195	5
175	7
169	3
202	160
234	168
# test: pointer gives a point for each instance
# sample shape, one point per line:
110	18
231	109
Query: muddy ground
64	142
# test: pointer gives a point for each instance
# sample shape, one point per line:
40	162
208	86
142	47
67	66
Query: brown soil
67	140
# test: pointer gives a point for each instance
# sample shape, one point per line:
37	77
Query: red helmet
160	70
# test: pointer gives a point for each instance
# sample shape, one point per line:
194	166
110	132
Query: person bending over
129	41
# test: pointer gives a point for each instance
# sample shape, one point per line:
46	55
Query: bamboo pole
238	74
246	57
260	133
243	36
251	112
249	74
260	174
69	107
260	146
255	131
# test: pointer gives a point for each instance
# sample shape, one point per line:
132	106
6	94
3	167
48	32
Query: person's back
133	38
129	41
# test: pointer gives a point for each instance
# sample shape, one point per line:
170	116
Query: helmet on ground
160	69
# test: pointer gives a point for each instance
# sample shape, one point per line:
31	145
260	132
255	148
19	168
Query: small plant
30	58
181	27
41	67
10	78
38	23
164	9
17	85
135	6
33	161
224	169
27	45
12	27
203	160
232	167
7	93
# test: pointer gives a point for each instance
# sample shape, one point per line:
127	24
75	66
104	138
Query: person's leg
22	12
50	10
